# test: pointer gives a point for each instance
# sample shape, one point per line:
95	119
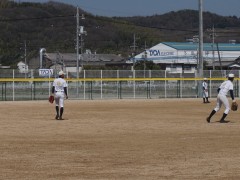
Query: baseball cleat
208	119
223	121
56	117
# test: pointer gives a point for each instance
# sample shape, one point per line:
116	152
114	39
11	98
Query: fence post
2	91
210	84
13	86
34	90
32	77
90	90
236	89
150	87
178	88
196	84
101	85
148	90
134	84
49	84
119	89
84	84
238	83
180	84
5	91
165	94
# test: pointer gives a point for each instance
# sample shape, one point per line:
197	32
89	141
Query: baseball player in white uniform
59	89
222	98
205	91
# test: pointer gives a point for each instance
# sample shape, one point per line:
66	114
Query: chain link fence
110	84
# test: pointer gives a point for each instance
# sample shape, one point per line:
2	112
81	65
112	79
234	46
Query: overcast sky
150	7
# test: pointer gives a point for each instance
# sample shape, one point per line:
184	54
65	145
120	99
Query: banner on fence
45	72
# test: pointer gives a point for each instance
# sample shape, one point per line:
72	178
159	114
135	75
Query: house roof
206	46
70	59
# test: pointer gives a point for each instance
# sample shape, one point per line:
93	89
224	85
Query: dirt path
118	139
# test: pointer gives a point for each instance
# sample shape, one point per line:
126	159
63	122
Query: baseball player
59	88
222	98
205	91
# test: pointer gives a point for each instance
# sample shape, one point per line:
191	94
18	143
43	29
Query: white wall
162	53
23	68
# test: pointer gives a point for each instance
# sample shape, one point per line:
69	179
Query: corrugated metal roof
206	46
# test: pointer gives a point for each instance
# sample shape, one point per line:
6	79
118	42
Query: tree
146	65
5	3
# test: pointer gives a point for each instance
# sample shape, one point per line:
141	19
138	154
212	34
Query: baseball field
118	139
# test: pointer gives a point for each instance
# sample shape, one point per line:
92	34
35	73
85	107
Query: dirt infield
118	139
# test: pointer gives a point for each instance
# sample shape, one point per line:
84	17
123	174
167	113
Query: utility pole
77	49
79	32
213	41
134	49
145	57
144	63
200	68
200	53
25	58
77	44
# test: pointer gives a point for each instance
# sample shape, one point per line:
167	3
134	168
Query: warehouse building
178	57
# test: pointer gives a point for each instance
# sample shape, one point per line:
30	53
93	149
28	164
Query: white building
23	68
183	56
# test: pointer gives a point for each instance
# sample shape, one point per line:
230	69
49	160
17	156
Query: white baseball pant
59	99
205	94
222	100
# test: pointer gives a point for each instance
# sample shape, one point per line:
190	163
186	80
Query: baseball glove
51	99
234	106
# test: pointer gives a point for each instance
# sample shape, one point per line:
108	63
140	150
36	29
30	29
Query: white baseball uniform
222	96
59	85
205	89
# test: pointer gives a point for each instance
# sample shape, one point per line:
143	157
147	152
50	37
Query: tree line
52	25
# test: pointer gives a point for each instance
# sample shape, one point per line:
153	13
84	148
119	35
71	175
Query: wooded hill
52	25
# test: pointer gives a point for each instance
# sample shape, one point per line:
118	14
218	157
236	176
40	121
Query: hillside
181	25
52	25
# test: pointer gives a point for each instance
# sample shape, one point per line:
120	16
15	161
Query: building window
173	68
206	53
187	68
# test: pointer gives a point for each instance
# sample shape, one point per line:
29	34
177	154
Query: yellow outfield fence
99	84
109	79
